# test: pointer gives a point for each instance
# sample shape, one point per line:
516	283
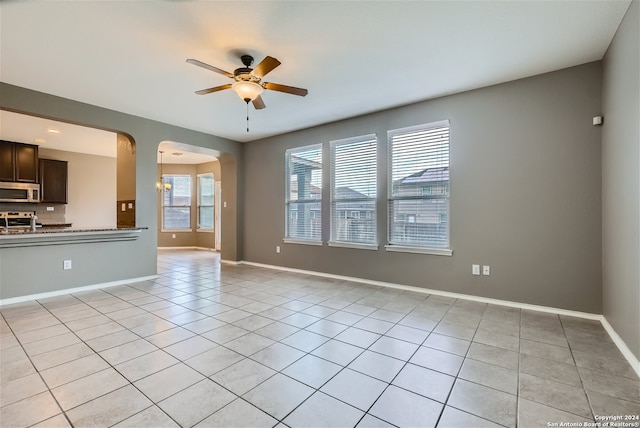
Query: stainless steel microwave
19	192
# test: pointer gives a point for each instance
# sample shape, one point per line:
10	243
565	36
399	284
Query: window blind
303	193
354	190
205	201
176	202
419	186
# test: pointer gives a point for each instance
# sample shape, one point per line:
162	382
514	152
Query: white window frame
163	206
199	205
355	160
288	214
415	246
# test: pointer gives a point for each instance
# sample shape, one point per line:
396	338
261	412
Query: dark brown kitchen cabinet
53	181
7	160
18	162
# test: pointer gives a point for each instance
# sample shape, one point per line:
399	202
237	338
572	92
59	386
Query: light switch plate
486	270
475	269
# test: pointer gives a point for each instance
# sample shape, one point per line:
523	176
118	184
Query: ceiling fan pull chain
247	116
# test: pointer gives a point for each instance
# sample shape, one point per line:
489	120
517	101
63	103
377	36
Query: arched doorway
189	202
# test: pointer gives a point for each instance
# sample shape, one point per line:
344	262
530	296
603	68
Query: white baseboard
635	363
213	250
178	248
29	297
631	358
480	299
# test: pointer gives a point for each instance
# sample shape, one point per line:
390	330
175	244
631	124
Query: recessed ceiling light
176	154
39	140
53	131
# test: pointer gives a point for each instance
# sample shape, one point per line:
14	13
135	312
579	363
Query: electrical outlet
486	270
278	249
173	235
475	269
66	265
50	208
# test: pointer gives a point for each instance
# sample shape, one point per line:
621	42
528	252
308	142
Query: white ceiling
51	134
354	57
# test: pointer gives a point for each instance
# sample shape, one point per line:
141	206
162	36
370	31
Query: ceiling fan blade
209	67
214	89
265	66
258	103
284	88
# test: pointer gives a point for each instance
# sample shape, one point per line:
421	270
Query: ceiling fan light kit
246	90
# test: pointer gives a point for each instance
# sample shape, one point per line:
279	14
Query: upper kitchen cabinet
53	181
7	161
18	162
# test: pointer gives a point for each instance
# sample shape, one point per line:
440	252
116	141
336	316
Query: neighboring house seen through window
419	187
354	190
176	203
303	194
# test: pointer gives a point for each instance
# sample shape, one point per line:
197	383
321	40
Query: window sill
205	230
301	241
418	250
176	230
353	245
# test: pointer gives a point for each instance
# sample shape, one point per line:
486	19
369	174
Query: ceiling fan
248	81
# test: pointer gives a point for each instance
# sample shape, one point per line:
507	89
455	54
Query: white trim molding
302	242
30	297
190	247
626	352
353	245
418	250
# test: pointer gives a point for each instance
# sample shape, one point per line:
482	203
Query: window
205	201
303	194
419	160
176	203
354	190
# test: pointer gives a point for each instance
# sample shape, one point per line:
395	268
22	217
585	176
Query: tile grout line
243	290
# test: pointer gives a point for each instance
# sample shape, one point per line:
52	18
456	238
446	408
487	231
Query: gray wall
621	181
525	194
132	258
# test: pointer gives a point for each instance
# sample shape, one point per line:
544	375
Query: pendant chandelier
161	185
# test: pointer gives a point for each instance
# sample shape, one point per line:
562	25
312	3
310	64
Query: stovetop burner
17	220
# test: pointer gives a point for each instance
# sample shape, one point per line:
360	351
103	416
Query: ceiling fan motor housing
247	60
244	74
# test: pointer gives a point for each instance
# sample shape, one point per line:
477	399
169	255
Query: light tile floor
236	346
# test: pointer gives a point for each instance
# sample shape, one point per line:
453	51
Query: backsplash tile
57	216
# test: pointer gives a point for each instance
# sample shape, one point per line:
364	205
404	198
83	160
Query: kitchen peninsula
60	225
49	262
